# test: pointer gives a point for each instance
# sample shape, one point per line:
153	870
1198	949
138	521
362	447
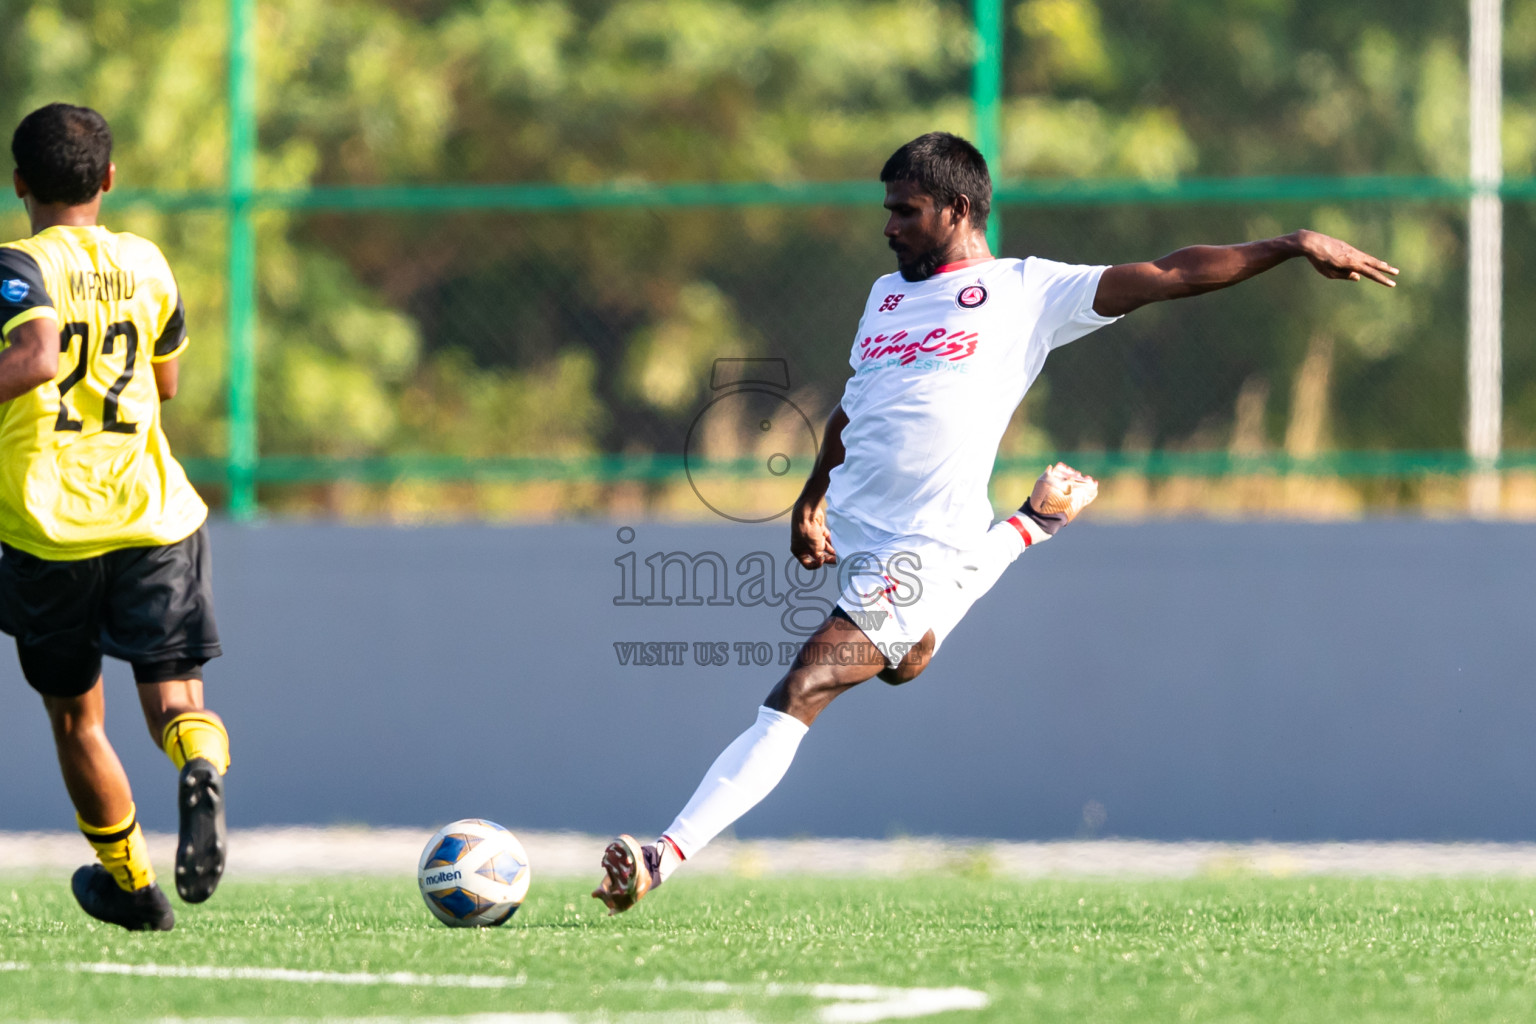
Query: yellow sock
121	850
196	734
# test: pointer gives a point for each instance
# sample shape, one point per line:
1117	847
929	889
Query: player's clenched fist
809	539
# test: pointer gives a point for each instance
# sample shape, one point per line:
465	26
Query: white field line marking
652	1017
849	1004
856	1004
902	1004
303	977
594	1017
472	1018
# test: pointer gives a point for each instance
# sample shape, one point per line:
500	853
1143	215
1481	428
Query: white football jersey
939	367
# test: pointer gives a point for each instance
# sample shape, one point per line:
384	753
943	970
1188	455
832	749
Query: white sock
1001	547
744	773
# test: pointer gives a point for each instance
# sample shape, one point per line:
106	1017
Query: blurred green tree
571	332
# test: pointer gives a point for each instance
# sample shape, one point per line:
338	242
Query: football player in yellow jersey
105	547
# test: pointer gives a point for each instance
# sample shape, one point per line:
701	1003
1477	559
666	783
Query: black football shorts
151	607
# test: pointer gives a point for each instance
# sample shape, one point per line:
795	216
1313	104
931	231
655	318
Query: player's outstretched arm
809	540
1206	268
31	360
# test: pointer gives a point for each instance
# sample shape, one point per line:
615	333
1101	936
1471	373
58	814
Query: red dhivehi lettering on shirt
939	343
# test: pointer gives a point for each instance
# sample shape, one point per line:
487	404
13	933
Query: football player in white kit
944	353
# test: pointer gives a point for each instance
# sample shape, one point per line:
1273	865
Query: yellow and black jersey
84	466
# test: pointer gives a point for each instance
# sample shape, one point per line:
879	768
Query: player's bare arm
809	540
167	378
32	358
1207	268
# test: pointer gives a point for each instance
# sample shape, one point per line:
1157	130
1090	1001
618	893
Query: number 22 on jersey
123	331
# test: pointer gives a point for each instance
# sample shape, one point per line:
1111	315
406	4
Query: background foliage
572	333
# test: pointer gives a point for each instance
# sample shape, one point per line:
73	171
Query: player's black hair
63	153
946	167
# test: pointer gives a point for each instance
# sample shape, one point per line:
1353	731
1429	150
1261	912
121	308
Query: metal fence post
241	464
1485	270
987	98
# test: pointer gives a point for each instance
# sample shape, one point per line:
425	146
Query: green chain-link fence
532	350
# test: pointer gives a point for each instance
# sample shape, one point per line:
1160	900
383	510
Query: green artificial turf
1232	949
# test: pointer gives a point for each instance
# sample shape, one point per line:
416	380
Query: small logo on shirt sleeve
14	290
971	296
890	303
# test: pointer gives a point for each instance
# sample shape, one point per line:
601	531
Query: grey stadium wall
1166	681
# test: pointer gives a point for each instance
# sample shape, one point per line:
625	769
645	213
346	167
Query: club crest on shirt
13	290
971	296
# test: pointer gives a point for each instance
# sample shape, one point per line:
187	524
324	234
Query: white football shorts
898	587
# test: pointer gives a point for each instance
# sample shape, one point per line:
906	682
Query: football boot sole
201	844
626	876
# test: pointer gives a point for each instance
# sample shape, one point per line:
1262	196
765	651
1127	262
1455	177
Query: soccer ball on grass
473	873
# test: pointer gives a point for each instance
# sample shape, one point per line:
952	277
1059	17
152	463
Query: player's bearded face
917	266
919	232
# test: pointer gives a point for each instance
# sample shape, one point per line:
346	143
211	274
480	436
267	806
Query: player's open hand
1342	261
809	539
